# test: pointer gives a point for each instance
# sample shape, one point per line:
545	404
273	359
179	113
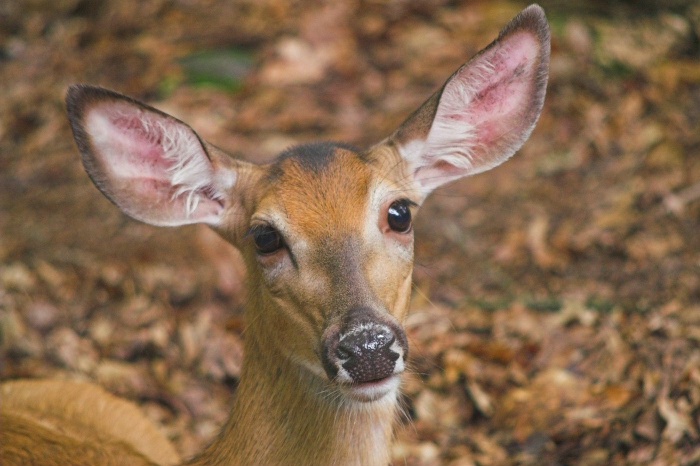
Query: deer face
331	245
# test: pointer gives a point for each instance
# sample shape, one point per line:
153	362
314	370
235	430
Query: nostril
342	353
393	356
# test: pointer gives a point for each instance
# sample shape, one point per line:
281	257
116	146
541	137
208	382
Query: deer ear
151	165
485	111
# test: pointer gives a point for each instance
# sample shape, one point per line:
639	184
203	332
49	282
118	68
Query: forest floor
556	309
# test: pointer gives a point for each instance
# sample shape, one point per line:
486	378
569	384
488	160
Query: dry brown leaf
678	422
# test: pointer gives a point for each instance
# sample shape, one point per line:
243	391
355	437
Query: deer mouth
373	390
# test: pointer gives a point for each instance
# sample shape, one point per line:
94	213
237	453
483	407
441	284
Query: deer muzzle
366	353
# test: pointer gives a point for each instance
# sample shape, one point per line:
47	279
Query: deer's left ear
485	111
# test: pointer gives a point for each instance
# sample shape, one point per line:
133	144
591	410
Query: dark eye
267	239
399	216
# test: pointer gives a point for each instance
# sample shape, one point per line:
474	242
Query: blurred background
556	308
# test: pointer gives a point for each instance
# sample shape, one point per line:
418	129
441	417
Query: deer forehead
324	191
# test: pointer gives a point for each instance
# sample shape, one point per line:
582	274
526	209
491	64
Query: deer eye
267	240
399	216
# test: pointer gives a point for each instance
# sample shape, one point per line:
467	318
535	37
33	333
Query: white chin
372	391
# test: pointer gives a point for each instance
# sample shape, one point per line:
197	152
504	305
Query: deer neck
285	415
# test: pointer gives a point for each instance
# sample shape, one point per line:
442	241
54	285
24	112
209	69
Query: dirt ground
556	309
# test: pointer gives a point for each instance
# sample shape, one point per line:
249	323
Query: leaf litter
556	308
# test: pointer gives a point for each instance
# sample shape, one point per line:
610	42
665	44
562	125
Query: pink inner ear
502	100
131	143
485	112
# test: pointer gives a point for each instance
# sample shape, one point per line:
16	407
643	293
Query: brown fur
327	203
70	417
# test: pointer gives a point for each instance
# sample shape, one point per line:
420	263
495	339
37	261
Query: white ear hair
189	172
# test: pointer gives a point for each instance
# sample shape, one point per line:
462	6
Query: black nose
365	349
366	353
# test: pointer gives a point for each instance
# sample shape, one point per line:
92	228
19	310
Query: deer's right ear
151	165
484	112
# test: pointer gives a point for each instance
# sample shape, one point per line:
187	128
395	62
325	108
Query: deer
326	232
